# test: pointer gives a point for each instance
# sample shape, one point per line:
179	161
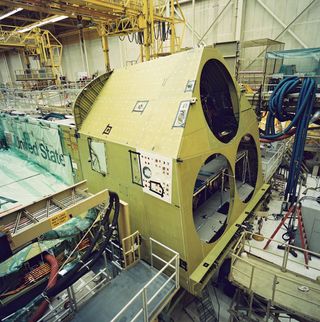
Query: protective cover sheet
38	141
23	182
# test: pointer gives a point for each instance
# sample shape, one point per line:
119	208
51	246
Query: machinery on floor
181	148
181	151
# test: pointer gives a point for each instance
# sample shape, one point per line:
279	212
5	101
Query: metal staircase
205	307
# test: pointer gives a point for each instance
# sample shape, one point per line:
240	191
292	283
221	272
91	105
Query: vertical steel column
83	51
146	30
239	20
105	47
172	28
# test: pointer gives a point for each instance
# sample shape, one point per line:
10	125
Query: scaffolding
54	98
37	43
273	283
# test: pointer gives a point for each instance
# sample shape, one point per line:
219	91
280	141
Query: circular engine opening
246	169
211	198
219	100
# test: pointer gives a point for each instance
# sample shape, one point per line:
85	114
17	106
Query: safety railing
142	296
53	98
271	164
35	74
75	296
252	78
68	302
244	244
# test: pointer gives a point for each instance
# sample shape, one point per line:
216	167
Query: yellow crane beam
152	23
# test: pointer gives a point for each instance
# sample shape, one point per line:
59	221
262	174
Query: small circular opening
246	169
211	198
219	100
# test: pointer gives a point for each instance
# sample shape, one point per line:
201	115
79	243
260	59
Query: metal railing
270	165
72	299
69	301
244	244
53	98
252	78
142	294
35	74
244	241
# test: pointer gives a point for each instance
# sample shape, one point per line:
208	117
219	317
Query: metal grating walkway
110	300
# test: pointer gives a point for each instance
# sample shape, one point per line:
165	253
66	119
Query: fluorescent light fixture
42	22
10	13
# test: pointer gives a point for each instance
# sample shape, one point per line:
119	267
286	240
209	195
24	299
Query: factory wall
92	61
259	19
9	62
5	76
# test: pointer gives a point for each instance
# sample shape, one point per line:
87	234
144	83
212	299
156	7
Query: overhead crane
151	23
37	43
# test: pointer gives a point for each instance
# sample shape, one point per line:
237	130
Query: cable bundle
300	120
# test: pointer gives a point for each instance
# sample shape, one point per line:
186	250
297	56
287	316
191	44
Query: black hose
86	267
89	258
88	252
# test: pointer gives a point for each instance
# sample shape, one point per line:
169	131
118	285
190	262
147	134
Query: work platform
27	222
109	292
106	305
280	281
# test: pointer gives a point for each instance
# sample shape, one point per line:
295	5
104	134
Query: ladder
303	235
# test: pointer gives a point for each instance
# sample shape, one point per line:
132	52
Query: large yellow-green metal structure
144	133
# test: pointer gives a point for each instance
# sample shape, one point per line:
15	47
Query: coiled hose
299	120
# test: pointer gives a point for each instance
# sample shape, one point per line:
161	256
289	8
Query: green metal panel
136	115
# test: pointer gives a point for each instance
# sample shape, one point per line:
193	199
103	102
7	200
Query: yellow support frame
122	17
143	16
36	42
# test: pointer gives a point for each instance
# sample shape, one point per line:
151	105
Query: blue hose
300	120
